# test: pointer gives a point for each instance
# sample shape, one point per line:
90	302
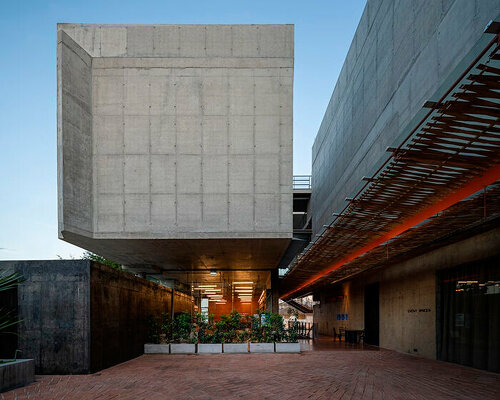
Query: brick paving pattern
354	374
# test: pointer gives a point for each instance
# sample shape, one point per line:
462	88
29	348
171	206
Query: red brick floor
346	372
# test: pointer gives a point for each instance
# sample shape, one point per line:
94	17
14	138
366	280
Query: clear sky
28	190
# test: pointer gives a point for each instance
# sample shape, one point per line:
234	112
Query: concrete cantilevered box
175	142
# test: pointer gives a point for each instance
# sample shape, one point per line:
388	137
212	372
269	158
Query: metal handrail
302	181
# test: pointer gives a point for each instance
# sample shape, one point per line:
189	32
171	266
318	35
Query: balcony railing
302	182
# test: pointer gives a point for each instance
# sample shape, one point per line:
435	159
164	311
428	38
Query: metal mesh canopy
451	153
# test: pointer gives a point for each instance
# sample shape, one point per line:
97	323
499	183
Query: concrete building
175	159
175	146
390	259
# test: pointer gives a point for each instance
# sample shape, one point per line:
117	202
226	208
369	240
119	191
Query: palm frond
9	281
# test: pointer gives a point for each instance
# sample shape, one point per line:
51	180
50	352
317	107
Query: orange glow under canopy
477	184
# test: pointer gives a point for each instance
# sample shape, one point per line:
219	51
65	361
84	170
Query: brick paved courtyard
339	374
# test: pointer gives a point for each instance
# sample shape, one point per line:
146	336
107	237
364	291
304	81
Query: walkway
339	374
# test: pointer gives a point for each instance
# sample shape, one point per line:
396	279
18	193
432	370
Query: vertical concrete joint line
150	149
254	161
124	95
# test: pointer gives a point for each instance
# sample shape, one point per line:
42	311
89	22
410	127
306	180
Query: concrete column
172	305
274	291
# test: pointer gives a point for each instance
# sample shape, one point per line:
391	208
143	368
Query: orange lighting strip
476	185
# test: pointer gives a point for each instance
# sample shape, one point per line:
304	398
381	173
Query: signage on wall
342	317
419	310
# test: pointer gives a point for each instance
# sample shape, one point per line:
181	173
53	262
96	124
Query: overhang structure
441	181
175	144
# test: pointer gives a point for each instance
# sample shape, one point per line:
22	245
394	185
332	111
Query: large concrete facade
169	133
401	53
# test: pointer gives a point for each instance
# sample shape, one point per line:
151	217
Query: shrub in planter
292	334
230	329
267	328
156	334
181	329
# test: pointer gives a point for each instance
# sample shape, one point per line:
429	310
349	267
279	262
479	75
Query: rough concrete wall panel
219	41
120	305
186	116
54	306
74	136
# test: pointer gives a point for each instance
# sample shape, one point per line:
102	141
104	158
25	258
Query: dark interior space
469	315
8	337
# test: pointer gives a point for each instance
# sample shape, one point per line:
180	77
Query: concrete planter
163	348
182	348
261	347
235	347
209	348
16	373
287	347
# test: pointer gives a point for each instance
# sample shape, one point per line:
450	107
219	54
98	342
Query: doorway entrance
372	314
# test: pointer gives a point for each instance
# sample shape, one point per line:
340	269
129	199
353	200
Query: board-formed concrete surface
400	55
356	375
173	133
79	317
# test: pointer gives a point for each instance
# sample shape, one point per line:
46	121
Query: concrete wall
402	51
79	317
191	130
54	307
404	287
120	304
74	136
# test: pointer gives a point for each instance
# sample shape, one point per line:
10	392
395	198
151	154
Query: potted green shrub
266	328
182	335
231	326
157	327
289	343
208	341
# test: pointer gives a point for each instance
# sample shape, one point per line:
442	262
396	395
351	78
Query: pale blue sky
28	192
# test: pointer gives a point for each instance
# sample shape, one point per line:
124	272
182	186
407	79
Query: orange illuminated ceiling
451	153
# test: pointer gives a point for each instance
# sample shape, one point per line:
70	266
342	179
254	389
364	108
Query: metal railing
302	181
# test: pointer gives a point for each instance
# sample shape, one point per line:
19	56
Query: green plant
292	334
232	328
182	329
101	260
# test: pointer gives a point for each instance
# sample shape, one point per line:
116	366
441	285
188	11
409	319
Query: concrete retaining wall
79	316
120	304
54	307
16	374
